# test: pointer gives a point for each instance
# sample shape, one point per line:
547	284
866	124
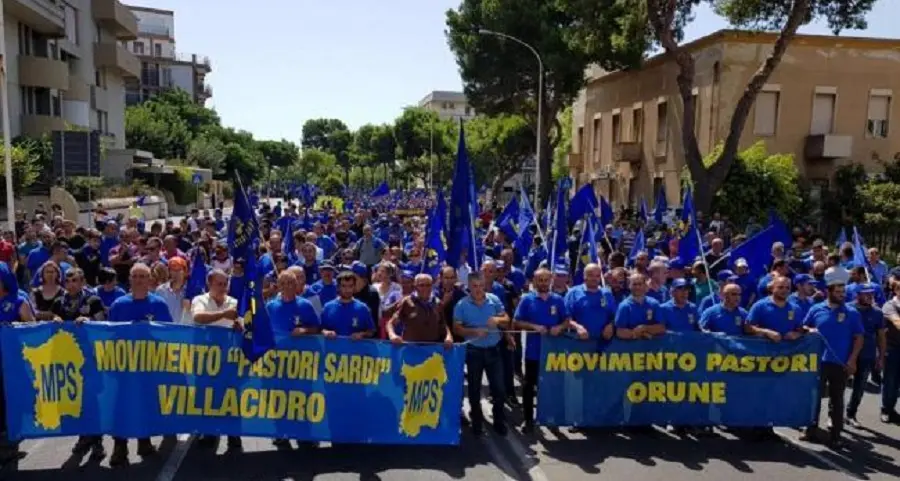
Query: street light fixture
540	103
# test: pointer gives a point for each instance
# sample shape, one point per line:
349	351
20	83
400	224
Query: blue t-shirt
472	316
326	292
679	319
872	321
767	315
661	295
548	312
709	301
108	297
149	309
346	318
719	319
838	326
593	310
286	315
631	313
802	304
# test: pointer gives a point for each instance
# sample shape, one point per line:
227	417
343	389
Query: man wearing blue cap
805	290
679	314
364	291
841	328
874	346
325	287
560	279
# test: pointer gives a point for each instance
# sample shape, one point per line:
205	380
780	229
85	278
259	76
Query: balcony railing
154	29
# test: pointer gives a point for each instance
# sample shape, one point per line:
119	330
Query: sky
275	67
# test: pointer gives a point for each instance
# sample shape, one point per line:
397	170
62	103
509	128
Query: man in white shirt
216	308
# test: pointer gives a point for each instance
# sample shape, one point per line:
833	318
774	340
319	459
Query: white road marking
500	459
170	469
783	434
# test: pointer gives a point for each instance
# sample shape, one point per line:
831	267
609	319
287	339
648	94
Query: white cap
836	275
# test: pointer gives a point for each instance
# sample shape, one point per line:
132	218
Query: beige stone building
828	103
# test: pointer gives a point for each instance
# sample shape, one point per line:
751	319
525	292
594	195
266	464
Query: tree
561	154
26	167
156	128
315	165
208	153
498	147
757	182
279	153
500	76
332	136
422	140
666	17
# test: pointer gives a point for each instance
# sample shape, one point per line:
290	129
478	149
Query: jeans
481	361
507	356
529	389
863	368
833	380
890	380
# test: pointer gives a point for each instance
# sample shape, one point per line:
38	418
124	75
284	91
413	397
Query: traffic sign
197	179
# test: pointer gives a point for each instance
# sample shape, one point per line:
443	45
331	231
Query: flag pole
7	143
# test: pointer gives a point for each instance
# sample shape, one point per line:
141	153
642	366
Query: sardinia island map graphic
424	395
58	380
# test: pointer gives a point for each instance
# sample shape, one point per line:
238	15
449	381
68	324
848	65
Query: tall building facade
162	66
828	103
448	105
67	67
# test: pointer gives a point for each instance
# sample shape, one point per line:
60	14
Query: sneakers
890	417
852	422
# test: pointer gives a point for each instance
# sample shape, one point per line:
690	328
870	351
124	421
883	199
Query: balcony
44	16
828	146
627	152
99	100
576	161
38	125
116	17
43	72
78	89
114	56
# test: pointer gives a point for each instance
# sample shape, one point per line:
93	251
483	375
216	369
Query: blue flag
757	251
607	216
583	202
524	239
461	222
640	244
642	210
196	284
661	206
434	231
859	250
243	237
381	191
689	243
561	227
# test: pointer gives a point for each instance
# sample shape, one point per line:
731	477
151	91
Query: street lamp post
540	103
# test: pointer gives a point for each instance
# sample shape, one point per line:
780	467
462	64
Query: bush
85	189
183	190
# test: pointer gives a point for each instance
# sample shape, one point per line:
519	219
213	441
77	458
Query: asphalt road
550	454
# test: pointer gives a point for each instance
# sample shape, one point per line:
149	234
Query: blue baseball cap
724	275
561	270
676	263
680	283
866	288
326	266
802	279
407	274
359	268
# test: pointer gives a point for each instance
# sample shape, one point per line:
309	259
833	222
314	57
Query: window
696	100
823	113
766	116
657	187
878	117
24	39
166	77
139	48
579	140
102	121
157	50
596	140
100	78
617	128
662	127
637	125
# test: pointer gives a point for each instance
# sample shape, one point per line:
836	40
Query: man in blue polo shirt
346	315
874	346
842	330
679	314
479	318
542	312
592	308
773	317
638	315
726	317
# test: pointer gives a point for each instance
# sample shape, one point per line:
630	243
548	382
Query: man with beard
541	312
842	329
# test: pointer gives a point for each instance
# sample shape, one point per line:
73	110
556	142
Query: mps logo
424	395
58	379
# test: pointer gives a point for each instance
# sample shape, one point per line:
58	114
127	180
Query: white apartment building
66	66
162	66
448	105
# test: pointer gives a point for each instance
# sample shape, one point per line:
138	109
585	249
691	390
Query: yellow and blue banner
680	379
142	379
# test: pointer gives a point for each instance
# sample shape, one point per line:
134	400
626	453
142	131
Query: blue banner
142	379
679	379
